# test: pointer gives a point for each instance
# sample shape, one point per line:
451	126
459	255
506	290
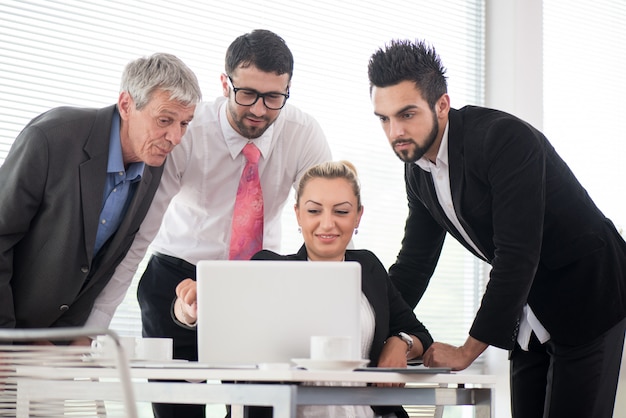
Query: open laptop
255	312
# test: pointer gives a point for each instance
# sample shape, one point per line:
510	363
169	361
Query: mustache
252	116
402	140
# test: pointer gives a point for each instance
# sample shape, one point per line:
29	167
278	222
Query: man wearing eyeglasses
200	184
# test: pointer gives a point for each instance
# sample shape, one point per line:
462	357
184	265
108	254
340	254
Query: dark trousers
155	293
556	381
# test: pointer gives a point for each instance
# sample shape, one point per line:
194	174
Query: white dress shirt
441	179
200	183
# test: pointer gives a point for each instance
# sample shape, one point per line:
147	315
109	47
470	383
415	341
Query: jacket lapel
92	175
302	254
456	171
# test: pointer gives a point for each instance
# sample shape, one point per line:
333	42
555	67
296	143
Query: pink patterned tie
247	228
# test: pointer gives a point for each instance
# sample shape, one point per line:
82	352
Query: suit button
63	308
84	269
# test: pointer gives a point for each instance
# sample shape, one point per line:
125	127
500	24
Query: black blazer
51	188
392	314
547	242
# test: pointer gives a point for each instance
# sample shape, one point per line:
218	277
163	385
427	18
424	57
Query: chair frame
12	336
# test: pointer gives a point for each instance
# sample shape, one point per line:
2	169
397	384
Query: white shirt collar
442	155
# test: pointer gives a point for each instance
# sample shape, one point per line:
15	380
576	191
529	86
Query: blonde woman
328	209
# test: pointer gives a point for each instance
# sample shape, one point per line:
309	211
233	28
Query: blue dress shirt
118	190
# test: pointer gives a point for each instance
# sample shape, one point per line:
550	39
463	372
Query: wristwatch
406	338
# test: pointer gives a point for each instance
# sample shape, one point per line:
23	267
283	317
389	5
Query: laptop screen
252	312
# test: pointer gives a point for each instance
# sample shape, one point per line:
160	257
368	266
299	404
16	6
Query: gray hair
144	76
332	170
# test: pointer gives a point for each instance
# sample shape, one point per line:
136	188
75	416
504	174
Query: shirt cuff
179	323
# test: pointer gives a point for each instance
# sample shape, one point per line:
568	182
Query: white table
280	389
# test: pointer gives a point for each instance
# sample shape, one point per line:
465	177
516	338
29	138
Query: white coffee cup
154	349
105	346
328	347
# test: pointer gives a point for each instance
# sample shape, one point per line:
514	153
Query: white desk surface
169	385
193	371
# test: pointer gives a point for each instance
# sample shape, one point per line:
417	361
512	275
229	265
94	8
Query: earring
356	231
299	230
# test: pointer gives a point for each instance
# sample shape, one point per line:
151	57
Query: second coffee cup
331	347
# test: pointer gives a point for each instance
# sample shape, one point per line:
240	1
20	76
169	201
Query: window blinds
68	52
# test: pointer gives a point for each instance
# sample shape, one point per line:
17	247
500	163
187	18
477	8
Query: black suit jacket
391	312
547	242
51	188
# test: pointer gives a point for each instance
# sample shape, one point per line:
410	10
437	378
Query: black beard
417	152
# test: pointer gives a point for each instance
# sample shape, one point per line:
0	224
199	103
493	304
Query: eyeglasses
248	97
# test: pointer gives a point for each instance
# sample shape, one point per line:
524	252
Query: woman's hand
394	354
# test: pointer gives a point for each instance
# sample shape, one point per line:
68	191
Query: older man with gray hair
75	187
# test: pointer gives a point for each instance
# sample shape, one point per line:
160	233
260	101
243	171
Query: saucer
155	360
328	365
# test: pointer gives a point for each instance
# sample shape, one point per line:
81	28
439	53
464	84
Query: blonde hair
332	170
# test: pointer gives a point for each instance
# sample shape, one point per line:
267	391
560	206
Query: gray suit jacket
51	188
